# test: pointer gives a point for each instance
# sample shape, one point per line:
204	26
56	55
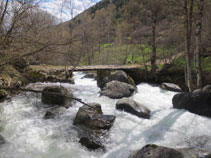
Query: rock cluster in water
171	87
57	95
132	107
117	90
93	125
115	85
198	102
154	151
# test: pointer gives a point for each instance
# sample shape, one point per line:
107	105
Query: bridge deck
103	67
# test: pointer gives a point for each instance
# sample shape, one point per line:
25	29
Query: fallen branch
38	91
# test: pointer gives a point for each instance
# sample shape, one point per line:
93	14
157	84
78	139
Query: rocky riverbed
27	134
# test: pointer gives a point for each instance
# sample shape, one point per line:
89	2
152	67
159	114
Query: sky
62	8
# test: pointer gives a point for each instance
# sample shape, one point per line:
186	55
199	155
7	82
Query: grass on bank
205	63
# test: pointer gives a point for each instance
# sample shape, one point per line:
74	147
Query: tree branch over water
39	91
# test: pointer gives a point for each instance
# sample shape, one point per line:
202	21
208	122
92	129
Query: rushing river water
28	135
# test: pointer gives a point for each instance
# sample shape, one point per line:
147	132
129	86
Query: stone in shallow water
57	95
100	121
92	139
93	125
154	151
171	87
91	144
132	107
118	90
49	115
198	103
85	111
207	88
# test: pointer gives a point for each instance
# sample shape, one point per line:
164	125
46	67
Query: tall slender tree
153	10
188	20
198	31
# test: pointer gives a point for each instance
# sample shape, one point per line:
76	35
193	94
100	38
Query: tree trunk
188	33
153	58
198	43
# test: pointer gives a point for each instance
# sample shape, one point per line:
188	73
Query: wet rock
2	140
118	90
92	139
198	103
91	143
85	111
196	91
171	87
57	95
93	125
154	151
120	76
107	76
49	115
3	95
207	88
99	121
132	107
93	118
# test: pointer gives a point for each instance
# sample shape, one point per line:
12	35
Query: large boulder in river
107	76
93	125
85	111
120	76
132	107
154	151
49	115
57	95
118	90
207	88
91	116
198	103
171	87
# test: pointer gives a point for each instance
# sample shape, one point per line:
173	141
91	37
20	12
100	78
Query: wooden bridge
103	67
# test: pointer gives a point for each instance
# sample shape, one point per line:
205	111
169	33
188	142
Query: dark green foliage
105	3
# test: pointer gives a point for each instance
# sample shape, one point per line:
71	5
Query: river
28	135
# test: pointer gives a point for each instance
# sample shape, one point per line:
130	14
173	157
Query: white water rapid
28	135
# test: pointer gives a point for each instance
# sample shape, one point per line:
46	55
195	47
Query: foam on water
29	135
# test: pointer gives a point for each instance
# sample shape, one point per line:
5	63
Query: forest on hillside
147	32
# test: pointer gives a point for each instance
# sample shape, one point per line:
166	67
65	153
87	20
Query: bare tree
188	20
153	10
198	30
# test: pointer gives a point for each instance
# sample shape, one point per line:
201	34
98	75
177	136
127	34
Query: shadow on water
151	135
157	132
